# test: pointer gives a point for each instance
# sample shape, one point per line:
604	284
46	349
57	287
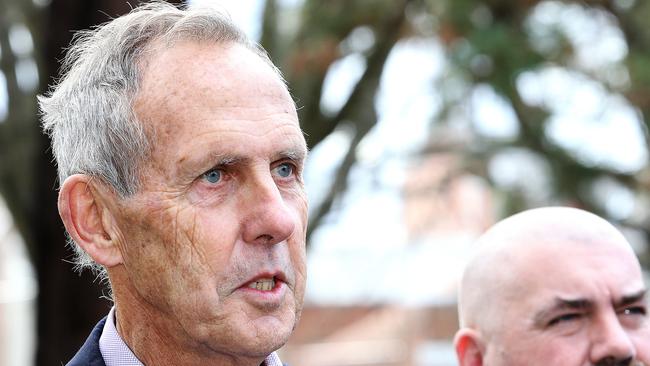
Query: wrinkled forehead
201	79
216	69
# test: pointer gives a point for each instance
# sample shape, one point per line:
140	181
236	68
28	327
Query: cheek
165	247
215	235
203	247
557	350
642	344
520	346
297	242
298	261
297	247
298	251
299	202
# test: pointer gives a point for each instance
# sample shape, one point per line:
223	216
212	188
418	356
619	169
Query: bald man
553	287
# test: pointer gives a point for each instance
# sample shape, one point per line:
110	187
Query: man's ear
469	347
88	220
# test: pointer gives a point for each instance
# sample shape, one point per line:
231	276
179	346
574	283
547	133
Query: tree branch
357	111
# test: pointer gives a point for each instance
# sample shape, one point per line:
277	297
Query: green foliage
491	42
487	43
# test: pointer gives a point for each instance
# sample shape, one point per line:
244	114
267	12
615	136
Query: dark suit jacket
89	354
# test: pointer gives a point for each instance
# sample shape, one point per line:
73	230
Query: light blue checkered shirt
116	353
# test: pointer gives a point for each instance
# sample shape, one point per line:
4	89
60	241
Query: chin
263	339
264	334
271	329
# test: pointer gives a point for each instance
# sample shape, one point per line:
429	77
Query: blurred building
374	335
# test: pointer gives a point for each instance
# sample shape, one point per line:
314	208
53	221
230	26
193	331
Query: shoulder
89	354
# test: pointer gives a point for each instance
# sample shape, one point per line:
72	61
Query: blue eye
284	170
212	176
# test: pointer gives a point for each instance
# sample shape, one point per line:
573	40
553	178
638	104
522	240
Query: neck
157	338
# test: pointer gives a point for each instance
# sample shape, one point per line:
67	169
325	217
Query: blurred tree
488	45
306	54
494	44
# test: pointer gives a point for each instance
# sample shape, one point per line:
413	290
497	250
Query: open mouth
263	284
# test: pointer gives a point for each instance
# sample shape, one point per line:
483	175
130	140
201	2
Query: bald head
530	262
513	245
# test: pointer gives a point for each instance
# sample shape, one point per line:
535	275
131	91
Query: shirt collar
116	353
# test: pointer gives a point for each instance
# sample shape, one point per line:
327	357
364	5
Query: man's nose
611	344
266	217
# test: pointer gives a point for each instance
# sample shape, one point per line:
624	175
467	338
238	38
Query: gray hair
88	114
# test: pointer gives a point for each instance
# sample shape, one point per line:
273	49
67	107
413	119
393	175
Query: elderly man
553	286
180	160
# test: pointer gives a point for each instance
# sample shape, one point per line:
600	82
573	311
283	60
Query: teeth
264	284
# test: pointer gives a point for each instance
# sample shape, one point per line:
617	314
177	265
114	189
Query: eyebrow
209	160
216	159
582	304
570	304
560	304
631	299
298	154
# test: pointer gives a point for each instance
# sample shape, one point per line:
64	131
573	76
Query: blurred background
428	121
